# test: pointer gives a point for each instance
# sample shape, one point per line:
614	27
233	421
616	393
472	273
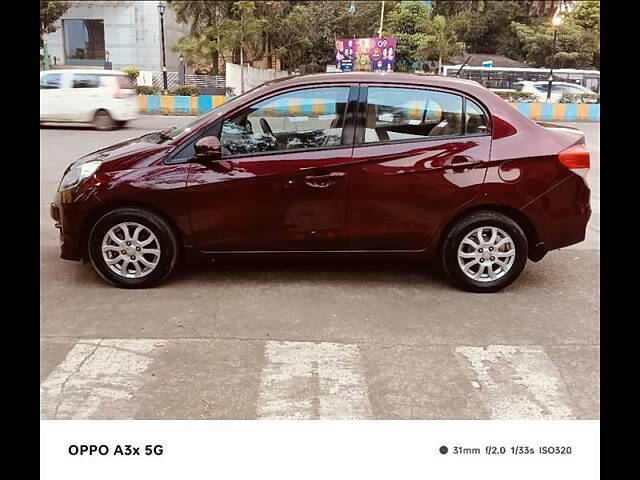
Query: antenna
463	65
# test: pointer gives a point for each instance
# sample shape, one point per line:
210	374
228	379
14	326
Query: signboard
366	54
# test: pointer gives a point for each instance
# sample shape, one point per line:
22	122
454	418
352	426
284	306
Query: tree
50	12
587	15
202	45
407	23
575	46
441	42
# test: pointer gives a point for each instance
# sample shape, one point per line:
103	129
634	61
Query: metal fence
202	81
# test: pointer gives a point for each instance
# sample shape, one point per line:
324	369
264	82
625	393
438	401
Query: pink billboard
366	54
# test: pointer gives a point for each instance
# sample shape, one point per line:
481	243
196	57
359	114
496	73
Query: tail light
122	88
577	159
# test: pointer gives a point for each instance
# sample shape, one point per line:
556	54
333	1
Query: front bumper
70	213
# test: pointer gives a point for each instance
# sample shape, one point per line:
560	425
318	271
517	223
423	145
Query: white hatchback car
539	89
103	97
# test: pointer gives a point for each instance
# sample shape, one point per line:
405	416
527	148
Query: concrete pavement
273	339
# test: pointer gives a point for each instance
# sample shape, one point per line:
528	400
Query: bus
505	77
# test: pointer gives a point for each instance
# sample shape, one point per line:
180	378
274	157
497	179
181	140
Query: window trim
363	102
347	138
82	61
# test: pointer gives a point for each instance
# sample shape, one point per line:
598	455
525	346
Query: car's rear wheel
133	248
484	252
102	120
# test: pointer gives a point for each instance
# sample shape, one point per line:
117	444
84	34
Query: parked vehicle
540	89
103	97
334	164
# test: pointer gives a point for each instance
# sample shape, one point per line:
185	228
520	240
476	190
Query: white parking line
517	382
305	380
97	379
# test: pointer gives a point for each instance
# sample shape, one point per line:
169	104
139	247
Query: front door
419	157
281	184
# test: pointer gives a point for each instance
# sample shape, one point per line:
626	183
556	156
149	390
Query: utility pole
555	21
164	59
241	55
381	20
45	50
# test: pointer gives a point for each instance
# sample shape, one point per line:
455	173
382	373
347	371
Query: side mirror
208	149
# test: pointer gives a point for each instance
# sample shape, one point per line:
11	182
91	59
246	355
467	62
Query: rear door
85	97
420	156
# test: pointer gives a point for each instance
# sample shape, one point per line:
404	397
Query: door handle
460	163
323	180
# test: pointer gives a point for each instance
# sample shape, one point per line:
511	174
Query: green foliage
580	98
148	90
575	46
302	34
185	90
132	73
50	12
440	42
517	97
587	15
406	23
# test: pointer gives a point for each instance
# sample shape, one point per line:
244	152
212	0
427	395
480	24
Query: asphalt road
276	339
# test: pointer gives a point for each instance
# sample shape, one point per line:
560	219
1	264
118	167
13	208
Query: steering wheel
266	128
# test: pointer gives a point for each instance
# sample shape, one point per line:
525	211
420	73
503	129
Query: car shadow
349	270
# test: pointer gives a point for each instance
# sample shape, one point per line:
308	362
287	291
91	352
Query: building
124	33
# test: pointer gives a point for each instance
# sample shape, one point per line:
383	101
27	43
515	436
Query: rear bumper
126	111
560	216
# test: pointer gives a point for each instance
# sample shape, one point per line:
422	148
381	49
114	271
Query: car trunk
571	135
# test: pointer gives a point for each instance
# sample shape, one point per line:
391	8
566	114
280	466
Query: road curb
560	112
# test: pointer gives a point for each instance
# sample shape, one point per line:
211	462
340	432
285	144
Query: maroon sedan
346	163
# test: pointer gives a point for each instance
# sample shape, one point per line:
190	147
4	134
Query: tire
102	120
145	232
495	263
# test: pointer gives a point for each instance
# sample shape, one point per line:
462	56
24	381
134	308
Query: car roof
377	77
84	71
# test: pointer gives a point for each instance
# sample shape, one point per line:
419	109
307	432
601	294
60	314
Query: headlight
77	175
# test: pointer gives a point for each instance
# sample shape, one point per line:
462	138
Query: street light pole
556	21
381	20
164	59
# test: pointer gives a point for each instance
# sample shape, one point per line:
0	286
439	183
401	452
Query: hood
132	153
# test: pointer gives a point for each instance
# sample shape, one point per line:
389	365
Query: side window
301	119
85	81
405	113
476	121
51	80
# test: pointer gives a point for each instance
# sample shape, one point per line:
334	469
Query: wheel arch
98	213
536	251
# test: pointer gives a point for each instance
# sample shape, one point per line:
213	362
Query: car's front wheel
133	248
484	252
